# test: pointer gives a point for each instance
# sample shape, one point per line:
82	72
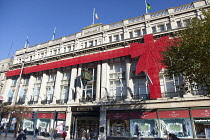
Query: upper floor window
186	22
137	33
154	29
161	28
110	39
168	26
179	24
122	36
144	32
90	43
131	34
116	38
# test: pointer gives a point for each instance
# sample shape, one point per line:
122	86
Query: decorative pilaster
30	89
72	90
42	93
98	81
128	78
57	90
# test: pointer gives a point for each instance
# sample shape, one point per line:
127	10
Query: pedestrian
1	129
21	136
84	135
36	132
25	131
64	134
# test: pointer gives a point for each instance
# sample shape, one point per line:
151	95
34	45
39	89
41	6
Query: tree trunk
16	128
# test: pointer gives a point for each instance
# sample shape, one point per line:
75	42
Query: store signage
121	115
45	115
60	116
201	113
174	114
143	115
84	109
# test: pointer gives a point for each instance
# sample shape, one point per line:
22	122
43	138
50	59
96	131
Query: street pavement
10	136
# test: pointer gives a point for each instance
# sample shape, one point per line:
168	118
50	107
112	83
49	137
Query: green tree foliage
190	53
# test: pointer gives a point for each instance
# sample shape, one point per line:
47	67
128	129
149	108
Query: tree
19	112
189	53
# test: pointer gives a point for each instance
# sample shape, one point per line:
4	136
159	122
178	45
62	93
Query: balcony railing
20	102
173	94
32	102
141	97
86	99
116	98
61	101
46	101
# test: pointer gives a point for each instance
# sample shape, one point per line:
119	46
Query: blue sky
38	18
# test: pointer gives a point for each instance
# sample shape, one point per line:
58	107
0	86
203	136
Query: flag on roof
149	6
95	14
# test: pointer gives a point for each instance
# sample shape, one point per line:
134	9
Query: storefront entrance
85	121
89	124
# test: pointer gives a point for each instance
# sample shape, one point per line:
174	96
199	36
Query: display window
178	126
118	128
28	124
43	125
144	127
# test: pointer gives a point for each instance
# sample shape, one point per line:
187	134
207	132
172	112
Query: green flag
149	6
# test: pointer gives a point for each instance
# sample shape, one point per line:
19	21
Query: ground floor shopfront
184	122
111	123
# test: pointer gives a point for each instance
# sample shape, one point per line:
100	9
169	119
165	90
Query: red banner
120	115
201	113
174	114
143	115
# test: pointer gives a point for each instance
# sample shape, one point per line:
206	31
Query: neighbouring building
108	79
4	67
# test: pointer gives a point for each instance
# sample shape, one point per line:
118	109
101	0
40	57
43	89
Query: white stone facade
113	85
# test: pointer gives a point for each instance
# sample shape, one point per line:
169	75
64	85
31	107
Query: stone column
42	93
104	78
98	81
30	90
57	90
72	84
68	122
79	85
102	123
128	78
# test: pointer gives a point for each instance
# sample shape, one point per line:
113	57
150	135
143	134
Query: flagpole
93	15
10	50
146	6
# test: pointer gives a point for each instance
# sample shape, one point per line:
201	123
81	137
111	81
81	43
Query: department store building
108	79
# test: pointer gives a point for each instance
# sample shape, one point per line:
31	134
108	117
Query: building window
117	78
85	44
161	28
168	26
186	22
96	43
179	24
131	34
110	39
116	38
144	32
154	29
90	43
137	33
122	36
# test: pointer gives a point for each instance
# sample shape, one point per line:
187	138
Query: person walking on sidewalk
64	134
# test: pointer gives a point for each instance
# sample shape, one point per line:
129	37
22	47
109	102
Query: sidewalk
10	136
